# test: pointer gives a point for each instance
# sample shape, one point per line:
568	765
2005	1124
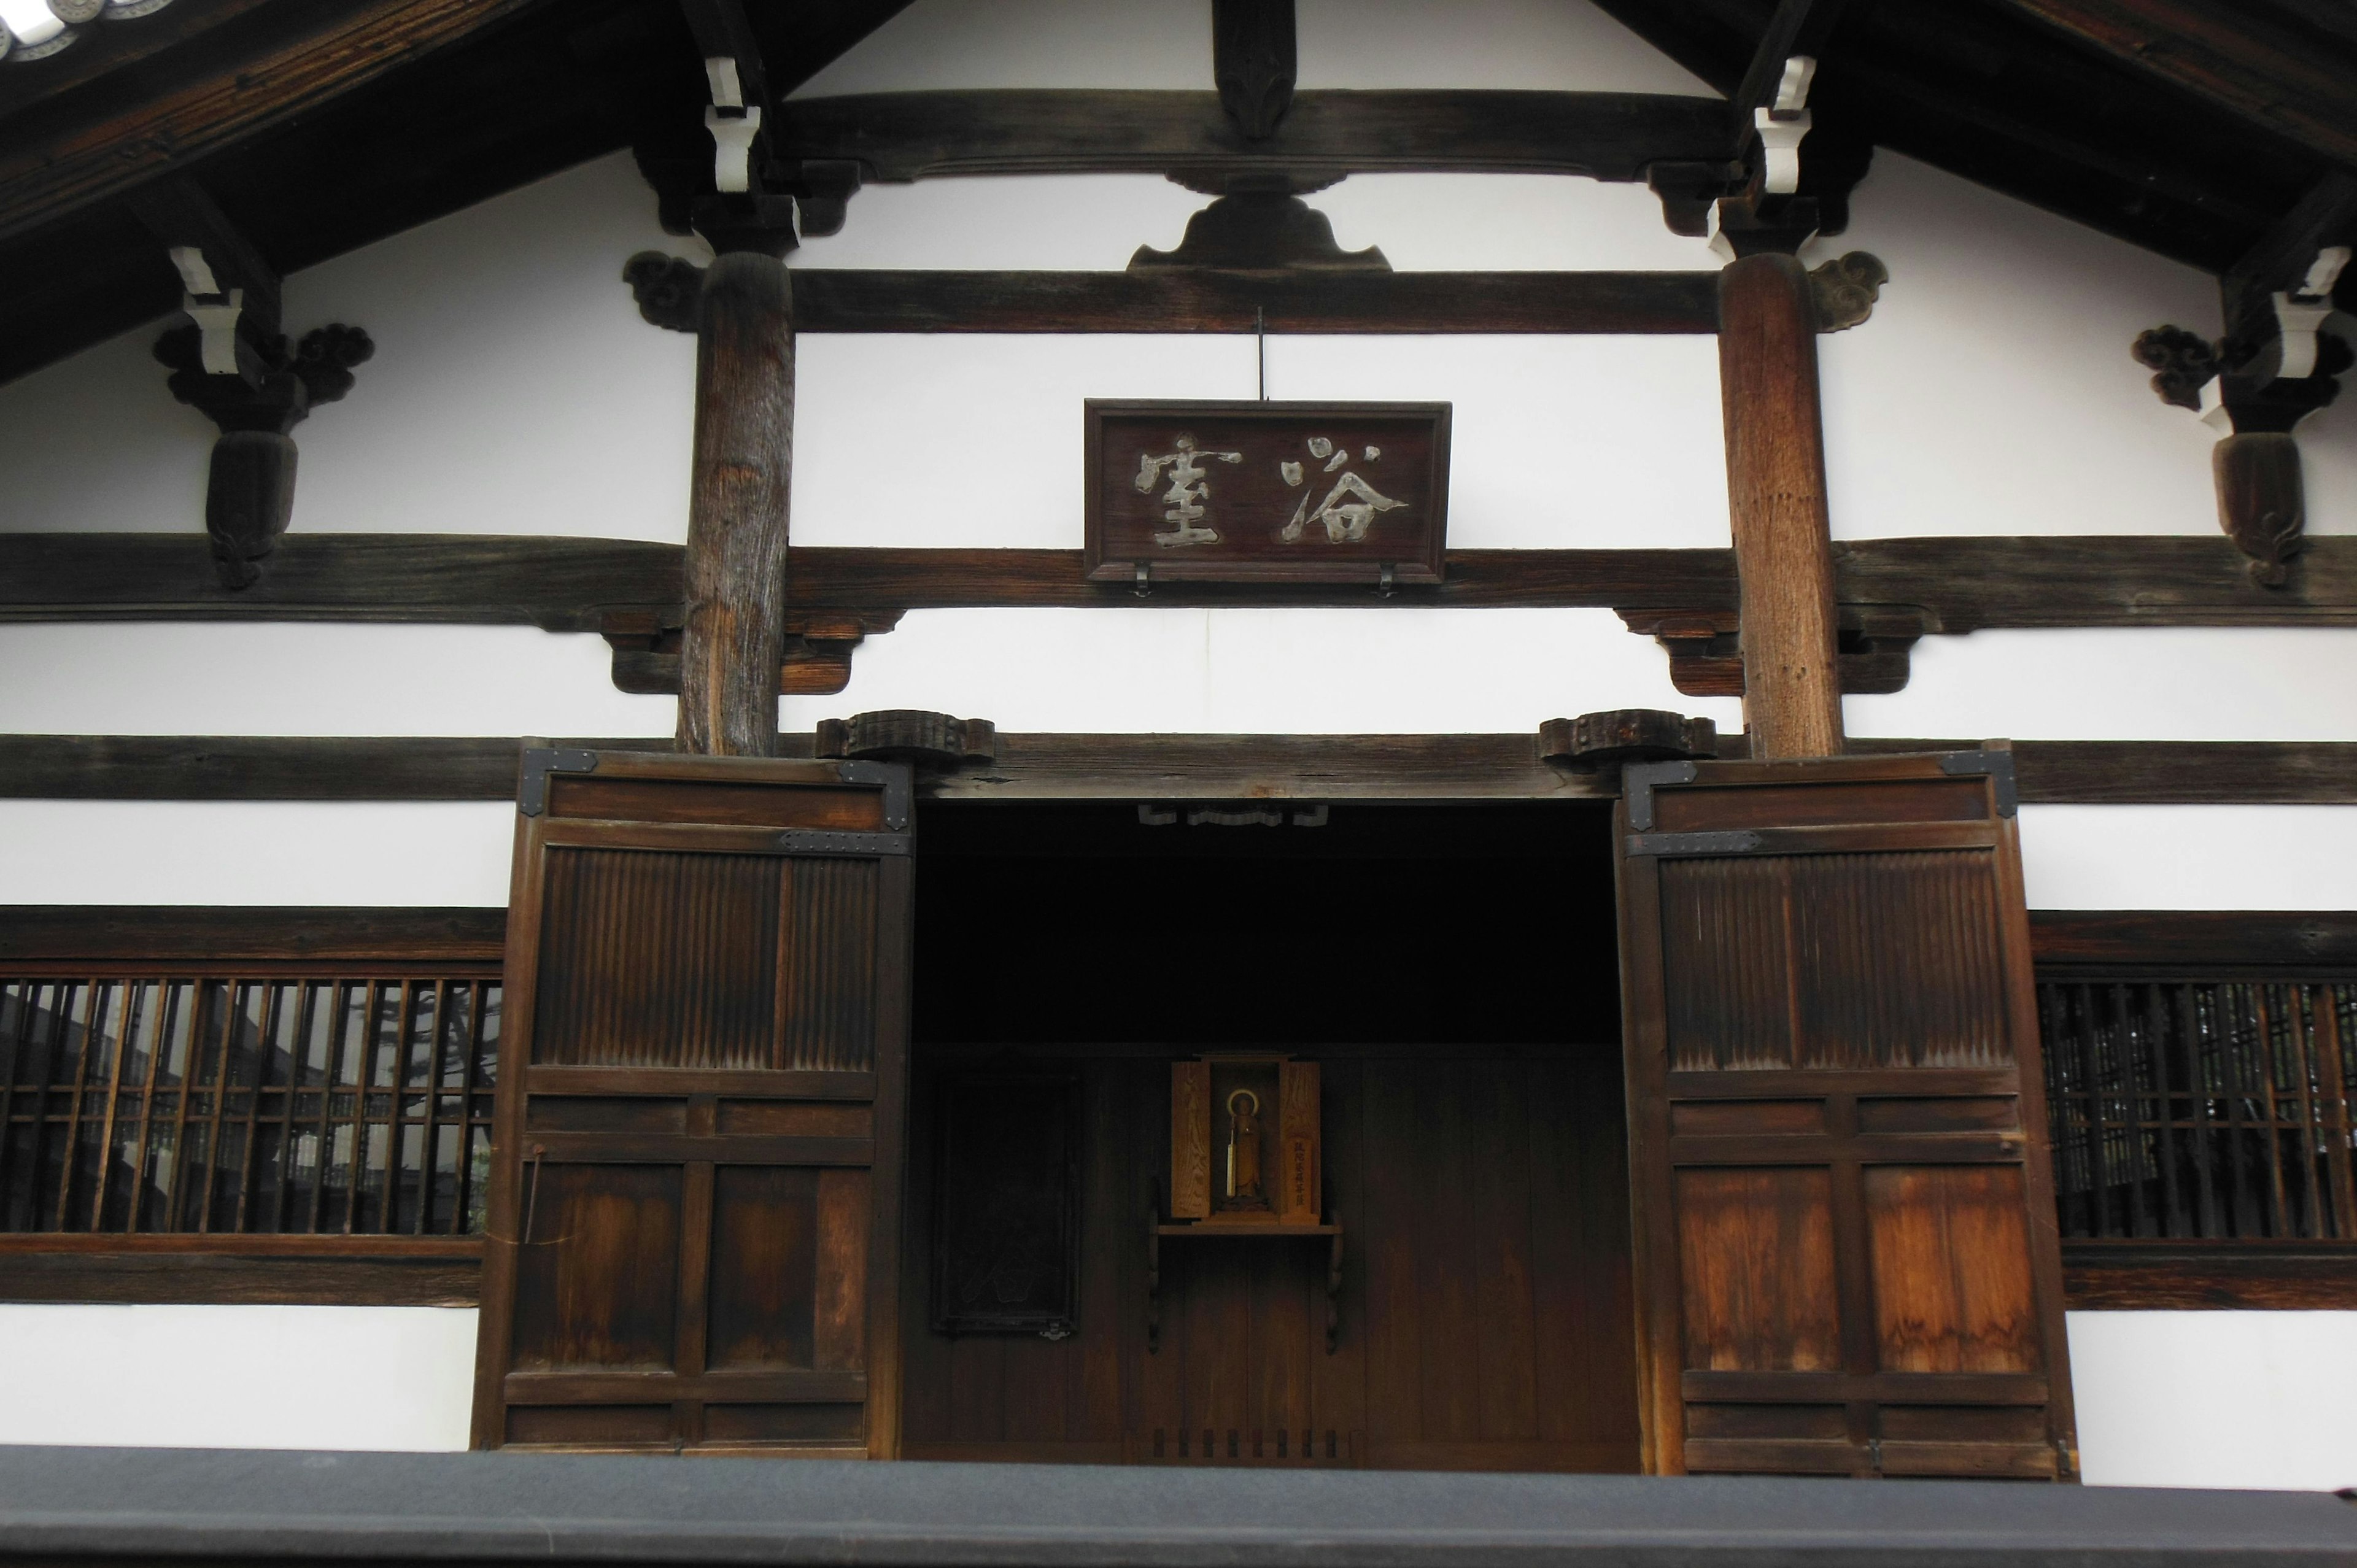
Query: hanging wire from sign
1260	341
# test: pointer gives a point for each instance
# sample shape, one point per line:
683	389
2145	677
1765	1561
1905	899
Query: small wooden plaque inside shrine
1244	1145
1337	492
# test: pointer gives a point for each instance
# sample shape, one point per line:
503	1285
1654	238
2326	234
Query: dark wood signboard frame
1241	492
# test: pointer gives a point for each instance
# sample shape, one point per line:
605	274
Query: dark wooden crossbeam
1798	28
86	147
1188	299
2281	65
1034	766
1951	584
1325	133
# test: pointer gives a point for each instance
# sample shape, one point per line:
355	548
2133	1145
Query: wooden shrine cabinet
694	1235
1846	1240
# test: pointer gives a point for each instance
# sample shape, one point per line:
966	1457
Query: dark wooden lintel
2181	1276
1207	299
2222	944
1193	767
1324	134
1945	584
176	935
303	1271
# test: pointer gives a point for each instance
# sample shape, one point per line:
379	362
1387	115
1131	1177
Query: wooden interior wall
1486	1318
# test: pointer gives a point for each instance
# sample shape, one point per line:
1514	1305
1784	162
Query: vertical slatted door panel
1846	1243
696	1184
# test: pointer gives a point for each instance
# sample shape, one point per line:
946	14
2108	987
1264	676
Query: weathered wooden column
733	640
1776	498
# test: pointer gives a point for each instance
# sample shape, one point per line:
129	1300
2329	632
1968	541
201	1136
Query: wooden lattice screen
2202	1110
227	1104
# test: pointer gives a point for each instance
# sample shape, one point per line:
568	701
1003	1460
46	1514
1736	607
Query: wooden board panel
1484	1313
765	1277
1828	1040
597	1284
1756	1257
1190	1140
1952	1285
703	1084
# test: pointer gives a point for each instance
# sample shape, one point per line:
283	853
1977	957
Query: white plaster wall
515	390
406	852
238	1377
2260	1399
1993	392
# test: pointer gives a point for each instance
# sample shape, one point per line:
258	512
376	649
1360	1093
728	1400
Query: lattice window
2205	1109
223	1104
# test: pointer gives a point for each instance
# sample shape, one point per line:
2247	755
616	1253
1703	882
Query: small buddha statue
1244	1185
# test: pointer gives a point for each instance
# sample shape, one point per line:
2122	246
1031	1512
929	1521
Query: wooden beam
307	1271
67	155
2244	1274
1955	584
444	767
1971	584
558	584
2291	80
2225	944
1325	133
1776	500
67	934
111	47
734	579
1193	300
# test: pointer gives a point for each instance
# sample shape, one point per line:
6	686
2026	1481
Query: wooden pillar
1776	497
732	643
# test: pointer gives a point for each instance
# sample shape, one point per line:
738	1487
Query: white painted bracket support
213	310
2300	312
1782	125
733	124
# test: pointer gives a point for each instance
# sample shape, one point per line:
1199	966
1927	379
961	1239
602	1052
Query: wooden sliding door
695	1204
1844	1215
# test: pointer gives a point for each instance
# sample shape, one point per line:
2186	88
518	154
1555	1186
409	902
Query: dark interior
1452	970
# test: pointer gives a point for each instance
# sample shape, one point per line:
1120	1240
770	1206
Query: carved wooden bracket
2254	394
1846	288
907	735
666	287
250	488
1706	655
1261	222
1254	62
1626	735
817	656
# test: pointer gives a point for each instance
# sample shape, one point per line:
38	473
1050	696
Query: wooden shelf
1270	1229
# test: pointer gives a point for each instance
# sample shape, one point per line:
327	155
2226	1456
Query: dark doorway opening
1452	970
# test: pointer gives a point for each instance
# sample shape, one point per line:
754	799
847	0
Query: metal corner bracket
892	779
1997	765
1637	781
539	762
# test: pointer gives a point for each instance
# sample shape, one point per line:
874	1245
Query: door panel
700	1122
1844	1217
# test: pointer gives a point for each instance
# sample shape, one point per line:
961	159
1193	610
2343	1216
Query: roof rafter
2232	55
65	156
